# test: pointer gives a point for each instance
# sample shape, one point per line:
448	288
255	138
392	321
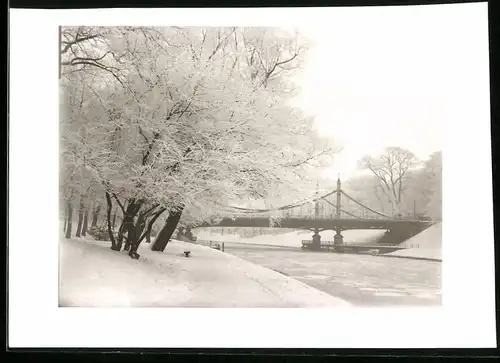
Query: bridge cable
333	205
364	206
352	215
288	206
343	210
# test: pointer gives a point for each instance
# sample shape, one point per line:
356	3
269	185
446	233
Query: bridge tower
316	245
338	239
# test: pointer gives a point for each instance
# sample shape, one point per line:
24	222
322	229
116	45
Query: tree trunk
396	208
65	217
70	217
114	245
130	236
85	222
135	246
120	234
80	218
400	191
148	237
166	232
127	228
95	216
128	223
133	238
114	219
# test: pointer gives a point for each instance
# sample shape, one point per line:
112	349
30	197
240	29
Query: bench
187	253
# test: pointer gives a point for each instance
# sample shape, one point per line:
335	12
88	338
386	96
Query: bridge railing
361	245
217	245
365	216
308	217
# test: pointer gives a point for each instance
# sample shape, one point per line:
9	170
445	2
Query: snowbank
291	239
429	244
93	275
418	253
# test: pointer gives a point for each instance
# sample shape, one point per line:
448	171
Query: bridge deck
320	223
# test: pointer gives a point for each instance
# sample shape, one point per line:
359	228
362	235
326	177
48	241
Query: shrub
99	233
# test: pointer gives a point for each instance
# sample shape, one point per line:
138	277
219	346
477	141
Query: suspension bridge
336	211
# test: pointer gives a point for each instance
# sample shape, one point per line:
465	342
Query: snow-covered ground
289	239
93	275
429	244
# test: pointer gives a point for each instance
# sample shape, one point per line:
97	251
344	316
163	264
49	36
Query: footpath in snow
91	275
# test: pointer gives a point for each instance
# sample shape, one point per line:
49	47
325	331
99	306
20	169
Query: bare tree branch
69	44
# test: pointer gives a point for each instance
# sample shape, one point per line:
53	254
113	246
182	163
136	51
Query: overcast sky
387	77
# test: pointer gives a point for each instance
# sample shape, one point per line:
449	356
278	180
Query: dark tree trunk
148	237
95	216
70	217
85	222
128	222
166	232
129	226
65	217
141	224
130	236
121	230
132	244
114	219
80	218
134	232
114	245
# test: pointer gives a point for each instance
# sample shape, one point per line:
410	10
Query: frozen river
362	280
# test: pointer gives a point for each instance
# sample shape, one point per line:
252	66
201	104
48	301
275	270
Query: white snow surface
92	275
429	243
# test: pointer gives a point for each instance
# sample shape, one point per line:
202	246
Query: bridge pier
338	240
316	240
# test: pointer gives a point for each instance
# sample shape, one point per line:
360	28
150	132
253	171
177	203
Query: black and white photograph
251	164
209	158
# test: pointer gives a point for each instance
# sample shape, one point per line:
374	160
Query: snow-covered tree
420	192
188	125
391	170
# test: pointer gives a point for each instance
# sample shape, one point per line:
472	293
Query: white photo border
466	318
